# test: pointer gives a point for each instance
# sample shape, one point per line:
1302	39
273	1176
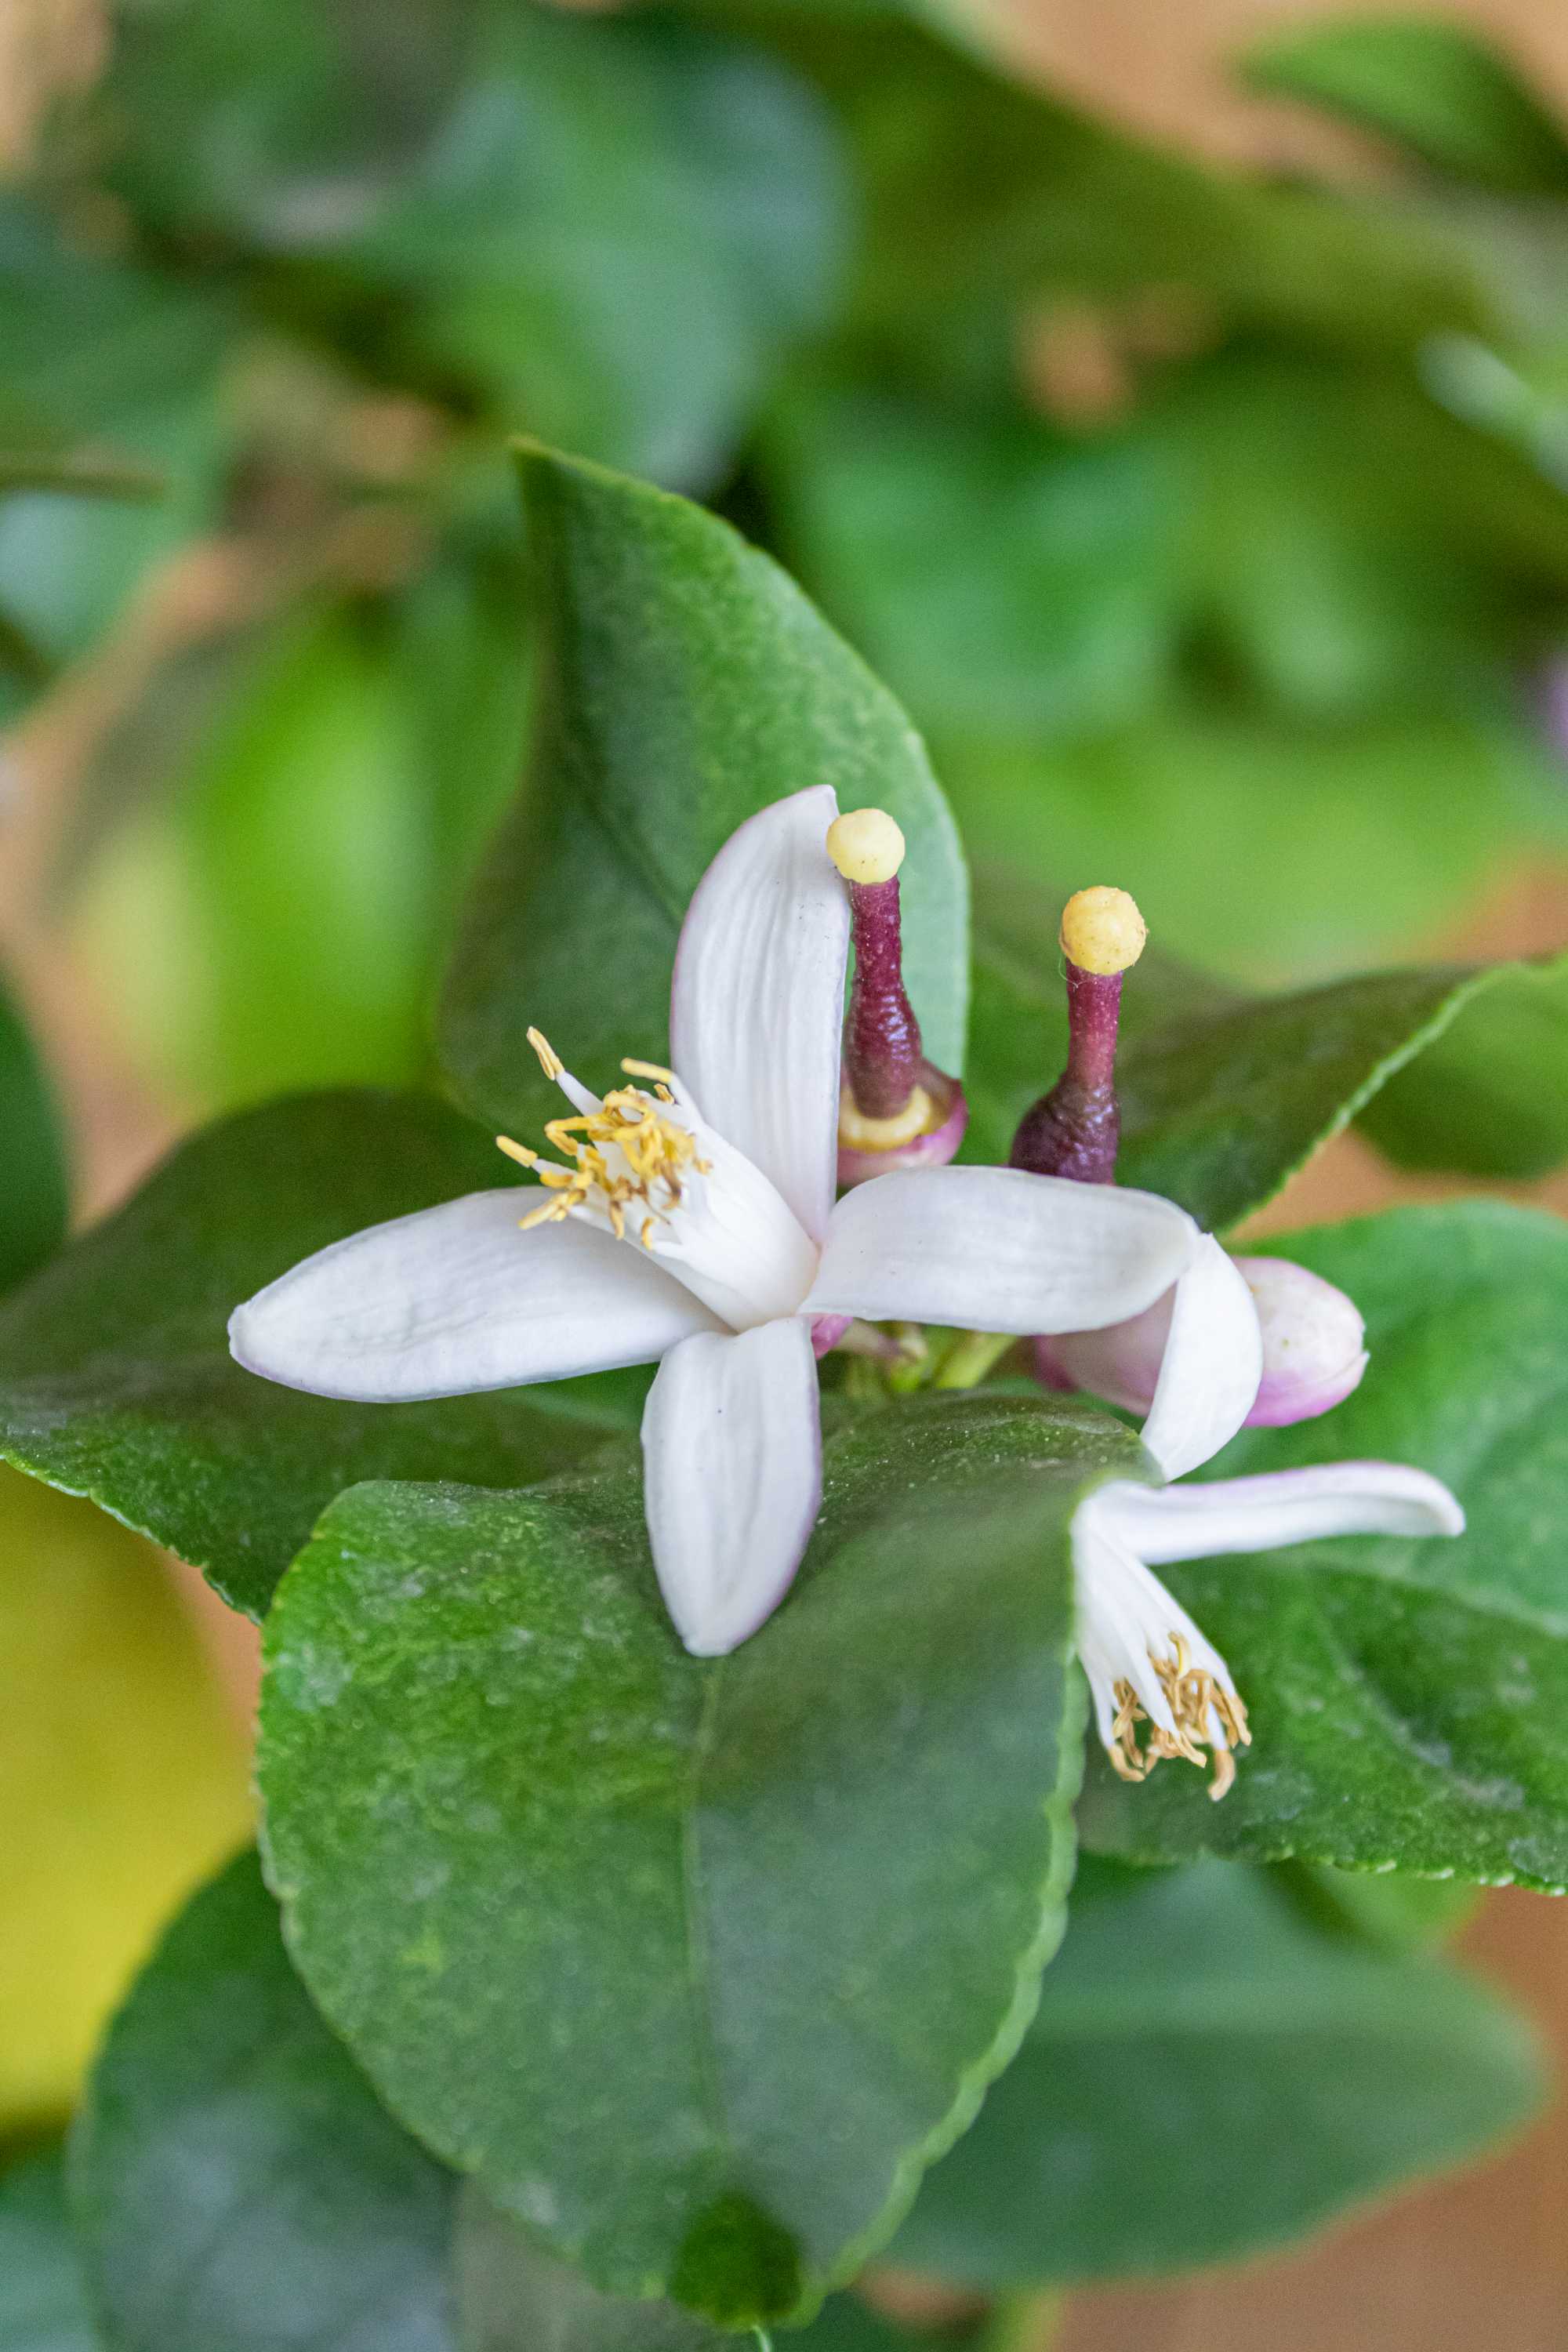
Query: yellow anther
648	1070
628	1155
866	845
1102	930
856	1132
1194	1697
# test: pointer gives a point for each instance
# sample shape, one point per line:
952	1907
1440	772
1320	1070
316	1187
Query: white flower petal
757	1005
456	1298
1212	1365
1280	1506
998	1250
733	1453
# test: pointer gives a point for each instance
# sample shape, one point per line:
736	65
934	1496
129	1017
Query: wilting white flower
691	1221
1146	1661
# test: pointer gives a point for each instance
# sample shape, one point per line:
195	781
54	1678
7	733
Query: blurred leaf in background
34	1205
1215	529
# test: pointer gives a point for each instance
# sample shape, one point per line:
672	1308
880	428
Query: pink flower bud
1313	1354
1313	1342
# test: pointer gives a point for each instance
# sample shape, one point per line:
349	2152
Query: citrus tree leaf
43	2298
1267	2072
687	683
693	1964
1488	1094
34	1200
236	2186
116	1379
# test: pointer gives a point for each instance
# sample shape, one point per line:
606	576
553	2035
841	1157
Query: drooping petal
1212	1365
1280	1506
1146	1659
732	1453
757	1005
998	1250
457	1298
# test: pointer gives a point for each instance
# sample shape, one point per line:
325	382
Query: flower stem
967	1363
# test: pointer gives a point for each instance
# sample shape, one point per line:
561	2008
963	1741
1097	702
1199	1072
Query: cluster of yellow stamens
628	1157
1192	1693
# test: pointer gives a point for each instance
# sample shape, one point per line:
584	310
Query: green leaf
35	1199
1388	1907
1223	1096
1265	2074
43	2300
694	1965
100	360
605	232
514	2298
234	2183
116	1379
1002	575
284	870
1437	89
687	684
1408	1698
1488	1094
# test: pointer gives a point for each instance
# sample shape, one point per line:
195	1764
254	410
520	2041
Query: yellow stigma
1102	930
866	845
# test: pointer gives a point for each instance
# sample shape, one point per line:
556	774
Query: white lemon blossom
692	1221
1146	1661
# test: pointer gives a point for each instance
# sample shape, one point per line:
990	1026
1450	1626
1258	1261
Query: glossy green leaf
1408	1698
1489	1096
43	2298
235	2184
687	684
116	1379
514	2298
695	1965
1438	89
1208	2074
33	1198
1224	1096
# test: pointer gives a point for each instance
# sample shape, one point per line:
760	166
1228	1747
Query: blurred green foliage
1212	526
